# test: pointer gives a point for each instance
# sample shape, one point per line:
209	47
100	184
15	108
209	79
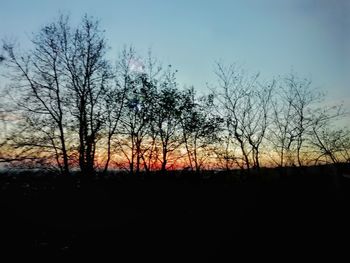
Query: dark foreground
179	217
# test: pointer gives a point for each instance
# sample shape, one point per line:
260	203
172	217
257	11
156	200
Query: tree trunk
108	155
64	153
164	162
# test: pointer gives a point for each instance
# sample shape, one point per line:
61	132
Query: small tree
200	128
167	116
244	104
297	110
332	145
137	115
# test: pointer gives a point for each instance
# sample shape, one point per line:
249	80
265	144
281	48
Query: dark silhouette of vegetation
71	108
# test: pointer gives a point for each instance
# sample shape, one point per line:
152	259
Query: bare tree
244	104
64	80
200	128
135	119
116	98
88	74
303	99
283	132
230	97
256	116
167	116
39	85
151	151
327	140
297	109
333	145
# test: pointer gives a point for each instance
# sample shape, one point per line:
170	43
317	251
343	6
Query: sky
274	37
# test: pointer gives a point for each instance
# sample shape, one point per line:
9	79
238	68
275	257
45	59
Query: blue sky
310	37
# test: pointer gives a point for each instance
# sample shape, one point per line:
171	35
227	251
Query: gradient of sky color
310	37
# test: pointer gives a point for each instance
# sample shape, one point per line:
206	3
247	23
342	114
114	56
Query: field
178	216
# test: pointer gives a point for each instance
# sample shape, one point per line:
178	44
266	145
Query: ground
178	217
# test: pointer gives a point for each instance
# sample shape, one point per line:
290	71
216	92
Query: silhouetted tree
151	152
167	116
332	144
283	132
302	98
298	111
39	84
116	98
89	75
329	141
256	116
136	116
292	117
64	80
230	98
200	127
244	103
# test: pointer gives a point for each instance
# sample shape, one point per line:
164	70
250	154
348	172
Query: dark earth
174	217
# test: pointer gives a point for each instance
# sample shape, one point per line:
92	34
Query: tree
302	98
116	99
200	128
298	110
256	119
328	141
38	82
333	145
137	114
283	131
89	75
244	104
63	83
167	116
293	118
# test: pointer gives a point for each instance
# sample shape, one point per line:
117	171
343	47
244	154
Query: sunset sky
274	37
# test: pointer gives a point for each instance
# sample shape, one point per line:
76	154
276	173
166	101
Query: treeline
68	106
